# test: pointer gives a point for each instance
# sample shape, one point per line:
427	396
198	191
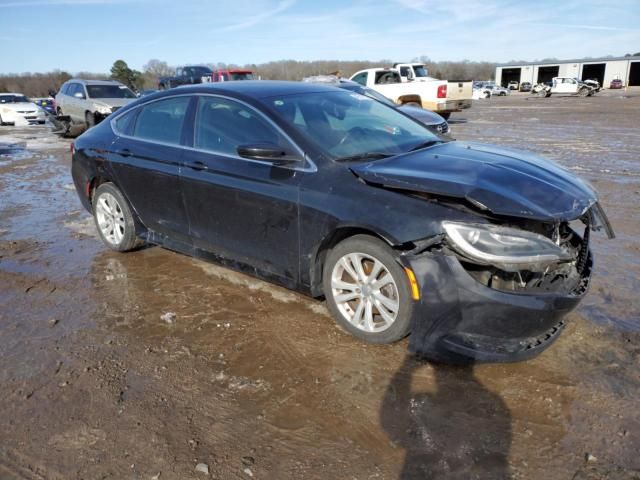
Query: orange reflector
415	291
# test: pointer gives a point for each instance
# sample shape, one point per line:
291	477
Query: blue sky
89	35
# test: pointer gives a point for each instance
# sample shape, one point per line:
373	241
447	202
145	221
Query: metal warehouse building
604	70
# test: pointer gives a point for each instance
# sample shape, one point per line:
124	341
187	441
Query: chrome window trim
309	166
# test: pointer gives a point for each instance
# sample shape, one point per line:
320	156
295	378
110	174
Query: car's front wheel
114	219
367	290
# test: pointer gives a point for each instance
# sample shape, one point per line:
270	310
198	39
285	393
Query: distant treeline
39	84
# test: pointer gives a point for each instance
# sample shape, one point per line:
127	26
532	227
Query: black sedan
471	248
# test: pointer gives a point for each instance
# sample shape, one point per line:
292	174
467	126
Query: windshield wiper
365	156
426	144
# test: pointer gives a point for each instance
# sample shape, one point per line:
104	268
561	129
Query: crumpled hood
507	182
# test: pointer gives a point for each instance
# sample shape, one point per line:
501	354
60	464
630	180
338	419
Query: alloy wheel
110	218
365	292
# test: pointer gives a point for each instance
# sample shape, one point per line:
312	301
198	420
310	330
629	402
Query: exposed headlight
103	109
507	248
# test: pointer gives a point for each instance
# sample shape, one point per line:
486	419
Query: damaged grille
564	278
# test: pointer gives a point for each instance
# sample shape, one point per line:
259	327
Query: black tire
59	112
445	115
373	247
89	119
128	241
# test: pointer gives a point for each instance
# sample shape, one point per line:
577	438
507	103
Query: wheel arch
404	99
101	178
334	237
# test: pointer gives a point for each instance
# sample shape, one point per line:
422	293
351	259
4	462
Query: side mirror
267	152
78	95
410	75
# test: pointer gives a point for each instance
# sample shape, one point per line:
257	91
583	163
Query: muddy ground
256	381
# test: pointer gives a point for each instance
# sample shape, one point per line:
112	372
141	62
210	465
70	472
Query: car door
146	158
242	210
70	106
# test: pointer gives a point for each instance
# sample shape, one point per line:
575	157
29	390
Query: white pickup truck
460	91
431	94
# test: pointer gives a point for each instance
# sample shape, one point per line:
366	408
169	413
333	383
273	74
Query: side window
65	89
361	78
387	77
222	125
162	120
73	89
404	71
124	123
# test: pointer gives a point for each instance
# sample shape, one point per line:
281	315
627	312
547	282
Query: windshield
109	91
201	71
13	99
347	124
420	71
242	76
369	92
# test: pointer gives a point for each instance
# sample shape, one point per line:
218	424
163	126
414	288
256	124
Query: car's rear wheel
367	290
114	219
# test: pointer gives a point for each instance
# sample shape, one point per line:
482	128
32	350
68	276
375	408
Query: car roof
258	88
94	82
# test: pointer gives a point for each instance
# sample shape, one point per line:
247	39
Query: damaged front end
500	292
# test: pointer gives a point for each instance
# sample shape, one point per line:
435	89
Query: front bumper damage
459	319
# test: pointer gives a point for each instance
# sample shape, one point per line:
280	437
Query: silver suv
90	101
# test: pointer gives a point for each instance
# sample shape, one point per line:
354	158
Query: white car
481	93
91	101
16	109
497	90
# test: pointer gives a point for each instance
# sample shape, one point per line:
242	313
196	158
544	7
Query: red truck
232	74
199	74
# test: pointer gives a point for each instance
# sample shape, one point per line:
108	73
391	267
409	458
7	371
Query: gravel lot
145	365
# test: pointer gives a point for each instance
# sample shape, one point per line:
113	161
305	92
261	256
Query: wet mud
144	365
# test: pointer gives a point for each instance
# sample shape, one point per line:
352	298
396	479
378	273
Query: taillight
442	91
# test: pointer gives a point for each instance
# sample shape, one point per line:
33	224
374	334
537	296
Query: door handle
196	165
125	152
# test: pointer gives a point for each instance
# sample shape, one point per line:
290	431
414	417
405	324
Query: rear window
161	121
242	76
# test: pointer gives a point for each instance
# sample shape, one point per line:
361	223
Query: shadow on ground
459	430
